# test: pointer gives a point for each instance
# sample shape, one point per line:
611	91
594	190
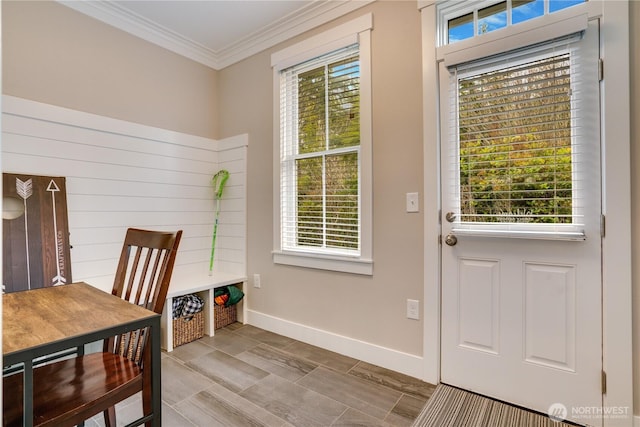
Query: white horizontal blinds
320	178
519	138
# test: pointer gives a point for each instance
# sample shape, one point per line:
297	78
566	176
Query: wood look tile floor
246	376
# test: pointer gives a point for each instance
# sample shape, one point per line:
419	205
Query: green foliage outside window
327	163
515	144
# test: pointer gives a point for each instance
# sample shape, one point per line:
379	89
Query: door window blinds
519	154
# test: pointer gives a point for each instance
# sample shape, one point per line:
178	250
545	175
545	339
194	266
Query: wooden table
40	322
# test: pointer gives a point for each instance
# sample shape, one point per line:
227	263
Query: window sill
325	262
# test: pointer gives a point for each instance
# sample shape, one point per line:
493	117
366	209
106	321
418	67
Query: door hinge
600	69
603	226
604	382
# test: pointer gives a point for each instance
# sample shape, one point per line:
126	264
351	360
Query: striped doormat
453	407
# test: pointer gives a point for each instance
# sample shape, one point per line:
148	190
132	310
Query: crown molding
305	19
425	3
318	13
112	14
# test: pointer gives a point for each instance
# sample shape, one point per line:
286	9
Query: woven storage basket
224	316
187	329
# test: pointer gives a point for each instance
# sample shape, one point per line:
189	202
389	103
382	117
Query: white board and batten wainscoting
121	174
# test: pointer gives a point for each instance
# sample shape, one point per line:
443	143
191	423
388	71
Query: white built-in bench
184	283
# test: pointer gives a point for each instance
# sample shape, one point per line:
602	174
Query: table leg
156	386
27	398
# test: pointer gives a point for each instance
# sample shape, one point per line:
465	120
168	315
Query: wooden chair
70	391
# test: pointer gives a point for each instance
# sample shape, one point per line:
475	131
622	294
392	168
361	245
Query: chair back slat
158	266
139	282
132	284
130	345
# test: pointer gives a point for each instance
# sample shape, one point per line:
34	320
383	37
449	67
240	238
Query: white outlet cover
413	309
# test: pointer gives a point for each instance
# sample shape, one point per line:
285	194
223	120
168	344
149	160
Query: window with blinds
518	155
320	149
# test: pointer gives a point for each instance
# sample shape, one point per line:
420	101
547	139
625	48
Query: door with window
521	226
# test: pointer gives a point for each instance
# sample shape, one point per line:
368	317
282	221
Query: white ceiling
216	33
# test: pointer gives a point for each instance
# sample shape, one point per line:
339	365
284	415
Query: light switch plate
412	202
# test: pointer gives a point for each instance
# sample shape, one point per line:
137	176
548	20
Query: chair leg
147	407
110	417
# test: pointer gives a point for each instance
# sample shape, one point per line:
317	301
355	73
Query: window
324	151
478	18
320	154
522	148
515	143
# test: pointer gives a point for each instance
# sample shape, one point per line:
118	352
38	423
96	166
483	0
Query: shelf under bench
184	283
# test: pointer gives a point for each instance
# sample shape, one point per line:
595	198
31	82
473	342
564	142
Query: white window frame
355	31
618	359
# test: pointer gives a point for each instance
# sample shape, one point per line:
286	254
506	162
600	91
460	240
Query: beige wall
56	55
371	309
635	188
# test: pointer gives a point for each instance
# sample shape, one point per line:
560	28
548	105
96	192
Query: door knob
450	217
451	240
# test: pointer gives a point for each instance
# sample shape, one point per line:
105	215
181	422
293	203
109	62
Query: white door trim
617	285
431	152
617	289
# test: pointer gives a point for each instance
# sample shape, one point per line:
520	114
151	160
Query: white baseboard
394	360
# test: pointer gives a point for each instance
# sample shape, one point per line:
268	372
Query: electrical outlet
413	309
256	281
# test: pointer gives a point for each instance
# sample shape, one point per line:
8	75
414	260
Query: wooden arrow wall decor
35	247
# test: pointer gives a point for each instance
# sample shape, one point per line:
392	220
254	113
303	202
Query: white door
521	250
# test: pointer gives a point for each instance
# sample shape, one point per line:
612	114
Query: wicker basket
187	329
224	316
